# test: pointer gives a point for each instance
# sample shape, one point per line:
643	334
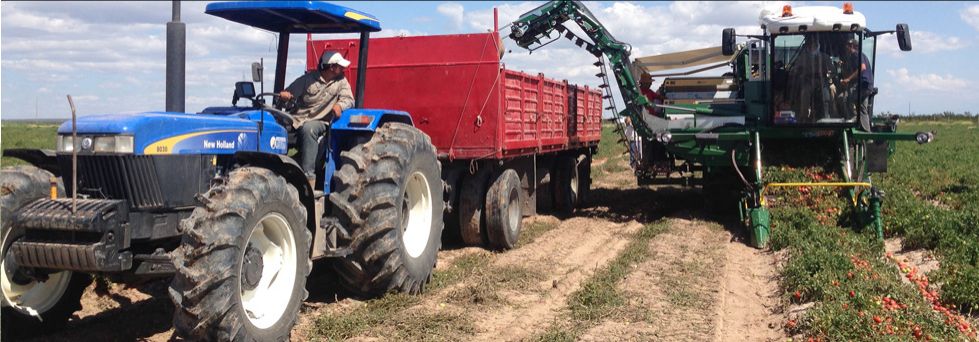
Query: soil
698	283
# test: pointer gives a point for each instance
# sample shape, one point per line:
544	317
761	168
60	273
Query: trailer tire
20	185
250	232
566	185
584	179
388	196
471	204
504	211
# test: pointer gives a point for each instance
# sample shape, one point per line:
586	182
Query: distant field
26	135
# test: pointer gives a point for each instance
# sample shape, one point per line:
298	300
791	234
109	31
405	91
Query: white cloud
971	16
921	41
935	82
454	11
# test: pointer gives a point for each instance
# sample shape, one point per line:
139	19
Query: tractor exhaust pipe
176	61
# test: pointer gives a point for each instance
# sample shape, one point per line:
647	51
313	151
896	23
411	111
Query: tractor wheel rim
418	208
36	297
267	301
574	182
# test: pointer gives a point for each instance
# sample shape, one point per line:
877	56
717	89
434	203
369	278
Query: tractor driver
321	96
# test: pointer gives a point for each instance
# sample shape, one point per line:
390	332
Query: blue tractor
214	201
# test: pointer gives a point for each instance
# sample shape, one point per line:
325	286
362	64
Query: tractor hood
182	133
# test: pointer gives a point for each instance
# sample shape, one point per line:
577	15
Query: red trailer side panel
449	84
553	115
521	94
458	92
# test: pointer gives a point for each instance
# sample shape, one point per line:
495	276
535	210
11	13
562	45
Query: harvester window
808	79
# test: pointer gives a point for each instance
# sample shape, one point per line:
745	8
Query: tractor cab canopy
295	16
287	17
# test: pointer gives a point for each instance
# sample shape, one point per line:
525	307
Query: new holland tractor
213	200
803	85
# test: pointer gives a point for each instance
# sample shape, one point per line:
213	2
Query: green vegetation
612	155
932	201
390	316
26	135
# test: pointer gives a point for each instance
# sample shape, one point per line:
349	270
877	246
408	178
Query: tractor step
89	239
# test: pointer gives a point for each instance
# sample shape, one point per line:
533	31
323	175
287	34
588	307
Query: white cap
334	58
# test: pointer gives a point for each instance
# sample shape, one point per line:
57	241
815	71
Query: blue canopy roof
295	16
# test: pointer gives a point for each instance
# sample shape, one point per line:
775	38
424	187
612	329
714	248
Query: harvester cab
816	64
213	200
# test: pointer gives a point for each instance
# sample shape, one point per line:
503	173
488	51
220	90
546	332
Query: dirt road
693	279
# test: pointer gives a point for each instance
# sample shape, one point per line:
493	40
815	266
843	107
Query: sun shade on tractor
296	16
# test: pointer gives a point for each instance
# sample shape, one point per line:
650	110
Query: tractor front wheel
243	261
29	304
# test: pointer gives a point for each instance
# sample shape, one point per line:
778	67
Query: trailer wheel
503	211
471	203
388	196
566	185
243	261
54	300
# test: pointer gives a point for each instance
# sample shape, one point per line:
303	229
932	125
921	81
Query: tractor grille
133	178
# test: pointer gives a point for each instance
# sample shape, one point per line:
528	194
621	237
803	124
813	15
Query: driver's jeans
308	139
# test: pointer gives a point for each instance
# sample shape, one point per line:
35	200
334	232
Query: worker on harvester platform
857	68
645	85
320	95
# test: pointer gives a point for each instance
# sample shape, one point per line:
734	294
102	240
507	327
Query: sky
110	56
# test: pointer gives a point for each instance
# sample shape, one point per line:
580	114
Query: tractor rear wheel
243	261
30	305
389	198
503	211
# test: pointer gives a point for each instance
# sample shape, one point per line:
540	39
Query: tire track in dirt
567	255
696	285
749	306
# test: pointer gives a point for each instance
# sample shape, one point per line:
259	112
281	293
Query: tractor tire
243	261
566	185
504	211
472	201
584	179
389	198
54	300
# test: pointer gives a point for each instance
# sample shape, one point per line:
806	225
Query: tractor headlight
66	143
104	144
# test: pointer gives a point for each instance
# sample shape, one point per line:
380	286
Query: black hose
737	169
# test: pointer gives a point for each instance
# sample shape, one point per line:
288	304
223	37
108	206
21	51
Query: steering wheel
282	117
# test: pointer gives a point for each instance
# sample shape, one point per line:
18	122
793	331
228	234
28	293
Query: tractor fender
46	160
290	170
368	120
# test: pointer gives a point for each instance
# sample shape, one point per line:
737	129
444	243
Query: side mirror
904	37
243	90
728	42
257	72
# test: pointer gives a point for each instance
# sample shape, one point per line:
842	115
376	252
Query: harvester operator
857	67
321	96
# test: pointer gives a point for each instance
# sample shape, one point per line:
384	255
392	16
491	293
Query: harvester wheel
243	261
566	185
389	197
53	300
503	211
471	203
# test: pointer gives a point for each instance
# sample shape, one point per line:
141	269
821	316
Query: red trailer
489	124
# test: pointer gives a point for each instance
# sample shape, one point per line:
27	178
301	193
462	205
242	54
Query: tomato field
931	202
